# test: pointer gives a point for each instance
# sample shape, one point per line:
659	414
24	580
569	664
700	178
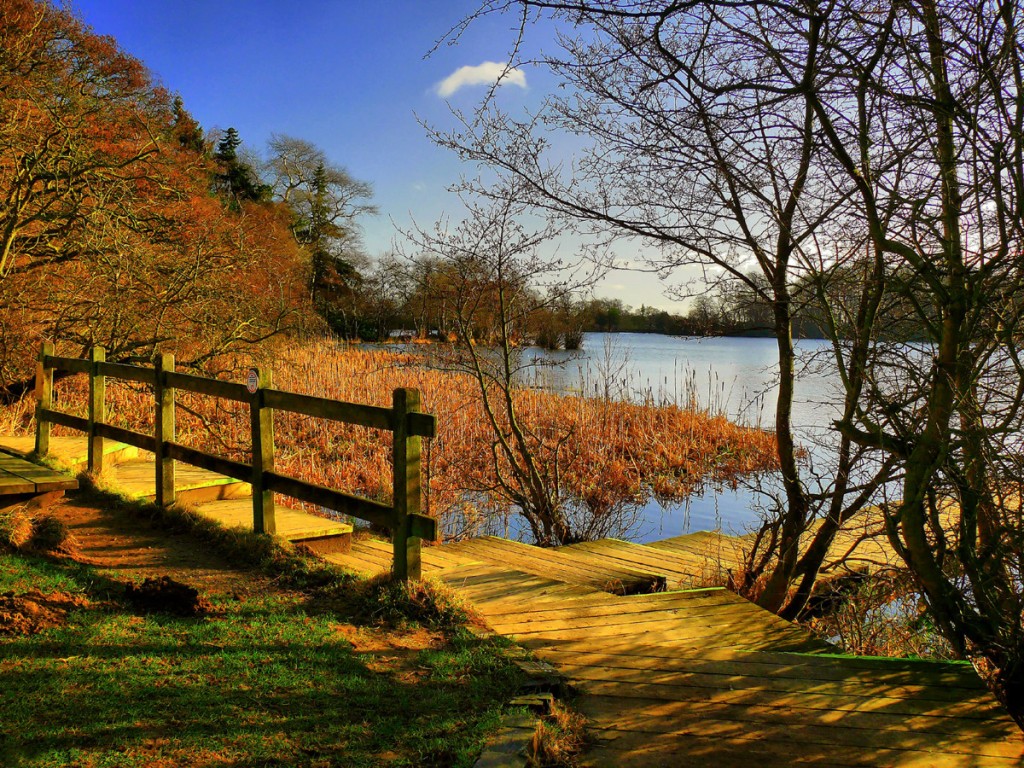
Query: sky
355	77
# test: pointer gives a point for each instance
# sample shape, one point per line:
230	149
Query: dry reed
617	454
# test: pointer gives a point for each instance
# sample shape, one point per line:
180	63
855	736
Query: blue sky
352	76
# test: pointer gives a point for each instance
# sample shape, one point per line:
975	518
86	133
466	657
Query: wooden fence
404	419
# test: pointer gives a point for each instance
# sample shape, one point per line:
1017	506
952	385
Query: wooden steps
192	485
703	677
221	498
577	567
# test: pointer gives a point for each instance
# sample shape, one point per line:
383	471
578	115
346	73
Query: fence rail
408	527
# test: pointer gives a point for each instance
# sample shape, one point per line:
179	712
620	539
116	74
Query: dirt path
127	547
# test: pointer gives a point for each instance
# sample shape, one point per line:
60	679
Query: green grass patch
263	681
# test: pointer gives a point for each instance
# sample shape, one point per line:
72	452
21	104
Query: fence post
97	409
406	484
44	399
164	428
262	420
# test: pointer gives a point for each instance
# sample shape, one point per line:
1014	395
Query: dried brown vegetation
617	457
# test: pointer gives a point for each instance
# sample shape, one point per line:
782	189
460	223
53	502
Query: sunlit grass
265	680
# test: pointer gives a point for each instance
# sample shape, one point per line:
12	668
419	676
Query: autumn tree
109	232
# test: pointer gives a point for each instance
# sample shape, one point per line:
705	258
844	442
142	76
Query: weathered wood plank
733	664
126	372
228	390
625	749
70	364
30	478
373	416
657	715
64	419
563	566
126	436
12	485
772	698
781	724
572	617
856	687
208	461
365	509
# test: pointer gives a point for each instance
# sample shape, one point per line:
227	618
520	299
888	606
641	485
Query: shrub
50	534
15	528
390	602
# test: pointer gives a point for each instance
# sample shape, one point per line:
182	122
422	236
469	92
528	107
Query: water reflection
736	376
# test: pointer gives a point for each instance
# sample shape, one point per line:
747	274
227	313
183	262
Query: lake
734	375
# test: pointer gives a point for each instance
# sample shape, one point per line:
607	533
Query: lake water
734	375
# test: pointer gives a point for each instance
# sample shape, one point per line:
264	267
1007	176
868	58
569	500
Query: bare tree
696	142
768	133
490	277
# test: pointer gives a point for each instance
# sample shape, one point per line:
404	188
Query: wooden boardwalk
705	678
221	498
686	677
22	481
701	677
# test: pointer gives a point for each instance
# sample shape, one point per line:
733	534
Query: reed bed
612	456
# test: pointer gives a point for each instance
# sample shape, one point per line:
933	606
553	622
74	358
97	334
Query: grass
266	680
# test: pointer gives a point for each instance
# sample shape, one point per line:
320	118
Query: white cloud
482	74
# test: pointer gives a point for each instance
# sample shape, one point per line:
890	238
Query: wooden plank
136	439
97	411
261	422
511	597
682	566
164	431
406	494
70	364
740	664
44	399
208	461
610	604
293	524
365	509
202	385
729	632
573	615
18	473
126	372
771	698
438	556
656	715
624	749
781	724
355	564
13	485
935	695
65	419
550	562
336	410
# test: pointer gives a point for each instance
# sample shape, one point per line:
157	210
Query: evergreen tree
237	180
